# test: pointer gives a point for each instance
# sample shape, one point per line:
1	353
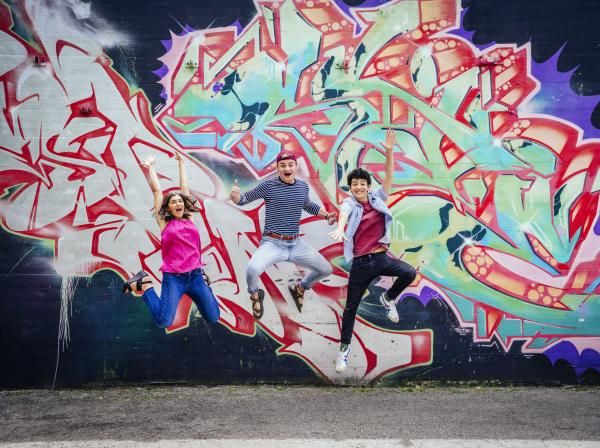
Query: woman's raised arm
154	186
183	185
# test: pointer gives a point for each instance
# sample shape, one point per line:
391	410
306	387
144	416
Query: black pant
364	270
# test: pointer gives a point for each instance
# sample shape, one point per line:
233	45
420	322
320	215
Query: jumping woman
181	255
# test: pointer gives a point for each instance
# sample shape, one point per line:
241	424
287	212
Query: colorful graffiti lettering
498	209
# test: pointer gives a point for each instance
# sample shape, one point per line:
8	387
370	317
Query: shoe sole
381	299
260	300
137	277
344	368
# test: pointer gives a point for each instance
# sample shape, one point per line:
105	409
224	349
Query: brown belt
281	237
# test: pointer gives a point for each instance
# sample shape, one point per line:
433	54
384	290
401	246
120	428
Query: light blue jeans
272	250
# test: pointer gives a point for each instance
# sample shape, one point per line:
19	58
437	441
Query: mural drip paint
496	207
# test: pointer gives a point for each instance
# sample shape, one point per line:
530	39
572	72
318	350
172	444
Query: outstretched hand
148	161
235	194
332	218
390	139
178	157
338	235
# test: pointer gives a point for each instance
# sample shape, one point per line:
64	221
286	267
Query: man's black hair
359	173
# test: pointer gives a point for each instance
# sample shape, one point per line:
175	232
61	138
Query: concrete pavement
315	416
314	443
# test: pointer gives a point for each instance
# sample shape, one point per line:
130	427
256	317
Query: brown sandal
261	310
297	296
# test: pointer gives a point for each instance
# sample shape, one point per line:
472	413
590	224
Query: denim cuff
305	286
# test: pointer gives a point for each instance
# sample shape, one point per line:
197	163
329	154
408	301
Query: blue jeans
272	250
192	283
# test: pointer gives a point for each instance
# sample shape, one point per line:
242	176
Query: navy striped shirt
284	204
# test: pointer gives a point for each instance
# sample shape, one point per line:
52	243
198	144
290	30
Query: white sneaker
342	360
390	308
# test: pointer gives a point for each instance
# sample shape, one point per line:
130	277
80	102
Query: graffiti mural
494	202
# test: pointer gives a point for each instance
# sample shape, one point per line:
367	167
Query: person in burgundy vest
366	243
181	255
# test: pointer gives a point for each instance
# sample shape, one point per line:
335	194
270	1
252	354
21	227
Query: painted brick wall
495	189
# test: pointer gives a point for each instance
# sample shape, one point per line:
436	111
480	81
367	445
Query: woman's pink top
180	246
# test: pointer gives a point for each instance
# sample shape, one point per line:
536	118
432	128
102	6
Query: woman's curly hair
189	205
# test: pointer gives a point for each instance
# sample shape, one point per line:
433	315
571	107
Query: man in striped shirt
285	198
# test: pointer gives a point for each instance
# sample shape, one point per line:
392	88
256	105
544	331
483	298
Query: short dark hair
359	173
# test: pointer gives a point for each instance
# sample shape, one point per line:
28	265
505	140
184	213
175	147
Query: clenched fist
235	195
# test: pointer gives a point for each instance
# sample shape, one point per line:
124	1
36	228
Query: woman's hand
178	157
148	161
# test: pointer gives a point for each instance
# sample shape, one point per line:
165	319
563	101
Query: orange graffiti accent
482	267
544	254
